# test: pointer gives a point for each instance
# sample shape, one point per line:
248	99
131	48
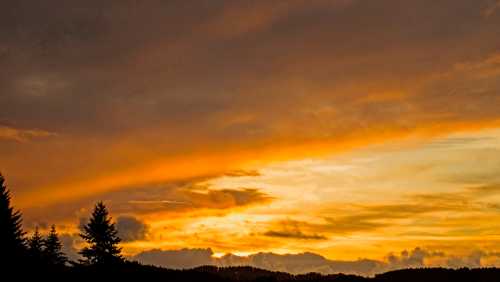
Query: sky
352	135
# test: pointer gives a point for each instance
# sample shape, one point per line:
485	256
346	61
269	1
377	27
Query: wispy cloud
297	234
242	173
23	135
148	202
180	198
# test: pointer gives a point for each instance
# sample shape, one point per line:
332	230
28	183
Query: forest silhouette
39	257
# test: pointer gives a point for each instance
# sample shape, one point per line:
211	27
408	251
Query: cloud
491	9
182	197
366	218
311	262
70	245
456	142
485	67
362	218
242	173
186	199
419	257
290	229
131	229
483	190
23	135
472	260
293	263
185	258
411	259
294	235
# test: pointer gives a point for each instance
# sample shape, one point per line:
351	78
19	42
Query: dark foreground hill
131	271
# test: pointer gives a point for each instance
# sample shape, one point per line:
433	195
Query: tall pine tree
35	246
53	249
102	237
12	242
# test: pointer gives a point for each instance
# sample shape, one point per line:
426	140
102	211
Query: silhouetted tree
102	237
35	246
12	242
53	249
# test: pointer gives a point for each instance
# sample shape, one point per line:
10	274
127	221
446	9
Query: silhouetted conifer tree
12	243
35	246
102	237
53	249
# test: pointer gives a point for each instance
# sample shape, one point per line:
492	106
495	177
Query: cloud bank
311	262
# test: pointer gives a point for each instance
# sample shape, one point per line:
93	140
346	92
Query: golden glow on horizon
407	202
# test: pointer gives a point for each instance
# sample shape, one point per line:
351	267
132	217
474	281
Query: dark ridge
134	271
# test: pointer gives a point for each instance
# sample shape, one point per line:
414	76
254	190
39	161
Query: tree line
17	249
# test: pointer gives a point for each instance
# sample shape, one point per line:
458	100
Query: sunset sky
350	129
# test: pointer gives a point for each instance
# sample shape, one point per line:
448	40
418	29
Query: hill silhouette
133	271
40	258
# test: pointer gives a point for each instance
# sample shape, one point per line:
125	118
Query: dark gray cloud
411	259
70	245
185	258
131	229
